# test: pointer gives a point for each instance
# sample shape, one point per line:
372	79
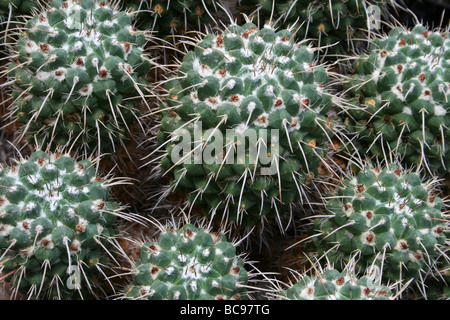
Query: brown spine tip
370	237
219	41
154	270
45	48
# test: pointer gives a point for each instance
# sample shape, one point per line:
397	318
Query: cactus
188	263
56	219
236	86
389	217
331	284
401	87
342	25
78	76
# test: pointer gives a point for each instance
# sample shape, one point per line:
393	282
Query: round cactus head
401	88
188	263
56	223
339	26
331	284
389	217
79	76
245	126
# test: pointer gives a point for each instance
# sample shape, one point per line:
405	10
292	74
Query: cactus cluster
402	89
389	217
229	122
79	76
188	263
242	82
56	217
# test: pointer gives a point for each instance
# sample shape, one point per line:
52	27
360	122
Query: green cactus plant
188	263
400	88
57	225
341	27
257	103
79	77
331	284
389	217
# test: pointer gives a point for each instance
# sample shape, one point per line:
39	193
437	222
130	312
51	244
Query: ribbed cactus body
402	87
257	98
188	263
389	218
56	217
79	76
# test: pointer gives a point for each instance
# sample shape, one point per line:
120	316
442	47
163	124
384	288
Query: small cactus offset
188	263
331	284
79	76
246	83
55	215
402	89
389	218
